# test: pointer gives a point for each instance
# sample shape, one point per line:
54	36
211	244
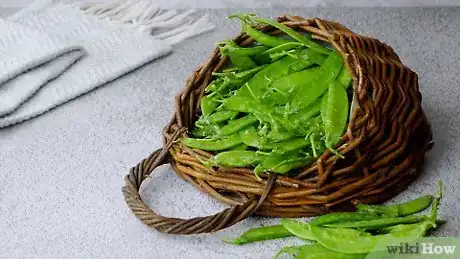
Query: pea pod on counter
402	209
261	234
316	251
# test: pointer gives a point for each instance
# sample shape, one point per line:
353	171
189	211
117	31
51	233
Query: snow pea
347	240
261	234
298	229
235	126
342	217
309	91
282	89
230	47
237	158
316	251
304	39
251	137
344	77
221	116
292	144
378	223
240	147
256	87
231	80
281	163
242	62
334	112
208	105
402	209
212	144
264	57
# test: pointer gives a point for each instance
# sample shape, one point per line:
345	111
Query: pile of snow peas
279	105
353	235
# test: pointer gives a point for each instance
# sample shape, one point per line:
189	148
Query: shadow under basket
383	147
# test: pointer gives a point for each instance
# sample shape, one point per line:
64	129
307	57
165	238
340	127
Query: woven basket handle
208	224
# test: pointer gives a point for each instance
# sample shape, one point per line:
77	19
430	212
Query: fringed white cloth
54	51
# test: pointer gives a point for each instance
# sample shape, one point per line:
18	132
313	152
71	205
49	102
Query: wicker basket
384	145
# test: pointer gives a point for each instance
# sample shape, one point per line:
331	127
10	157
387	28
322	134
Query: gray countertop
61	174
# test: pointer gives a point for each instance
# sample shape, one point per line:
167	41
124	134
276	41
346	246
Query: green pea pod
309	91
377	223
342	217
298	229
221	116
283	88
304	39
334	112
240	147
347	240
261	234
281	163
402	209
252	138
264	57
290	145
256	87
235	126
230	47
316	251
211	144
208	105
344	77
237	158
242	62
231	80
263	38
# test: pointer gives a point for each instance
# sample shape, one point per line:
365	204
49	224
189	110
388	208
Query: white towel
55	51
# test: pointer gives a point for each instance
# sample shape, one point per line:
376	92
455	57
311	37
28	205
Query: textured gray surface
270	3
61	174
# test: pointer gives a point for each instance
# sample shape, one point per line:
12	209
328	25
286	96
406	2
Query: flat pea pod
402	209
212	144
235	126
290	145
252	138
344	240
230	47
309	91
377	223
230	80
283	88
208	105
344	77
304	39
221	116
261	234
316	251
281	163
264	57
240	147
263	38
334	112
237	158
242	62
256	87
304	115
342	217
298	229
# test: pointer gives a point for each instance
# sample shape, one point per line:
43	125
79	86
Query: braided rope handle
212	223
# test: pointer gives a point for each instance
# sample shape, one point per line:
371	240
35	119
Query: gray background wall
268	3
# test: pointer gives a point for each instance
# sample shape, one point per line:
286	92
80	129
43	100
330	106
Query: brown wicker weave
384	145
